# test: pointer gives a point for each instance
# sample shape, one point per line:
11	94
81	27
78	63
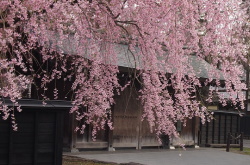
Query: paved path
202	156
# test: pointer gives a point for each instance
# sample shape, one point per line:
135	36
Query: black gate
215	131
38	139
245	126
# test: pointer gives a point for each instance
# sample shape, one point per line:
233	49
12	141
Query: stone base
172	148
74	150
111	149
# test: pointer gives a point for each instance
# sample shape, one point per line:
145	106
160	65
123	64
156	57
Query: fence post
241	141
228	141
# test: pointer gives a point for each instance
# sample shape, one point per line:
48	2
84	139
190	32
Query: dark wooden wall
37	141
215	132
245	125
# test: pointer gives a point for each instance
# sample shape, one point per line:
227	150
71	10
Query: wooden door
126	120
129	129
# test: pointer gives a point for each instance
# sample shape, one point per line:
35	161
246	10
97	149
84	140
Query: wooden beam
73	133
207	132
36	128
219	128
110	132
10	143
90	145
225	129
213	131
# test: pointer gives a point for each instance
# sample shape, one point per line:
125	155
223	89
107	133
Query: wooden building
129	131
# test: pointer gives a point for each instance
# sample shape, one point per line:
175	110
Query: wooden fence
38	139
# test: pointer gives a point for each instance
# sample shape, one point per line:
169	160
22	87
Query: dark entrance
39	136
215	132
245	126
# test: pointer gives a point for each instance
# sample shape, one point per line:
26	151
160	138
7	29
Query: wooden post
228	141
219	125
110	132
225	129
213	131
247	82
140	129
165	141
206	133
241	141
11	137
36	135
73	134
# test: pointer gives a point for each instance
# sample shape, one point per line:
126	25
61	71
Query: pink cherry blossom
84	38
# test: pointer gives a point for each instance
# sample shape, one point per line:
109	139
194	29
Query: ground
246	151
71	160
162	156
